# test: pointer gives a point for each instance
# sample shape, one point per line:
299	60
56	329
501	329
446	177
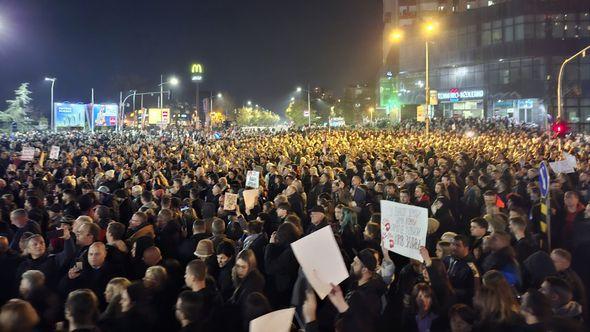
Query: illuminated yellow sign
196	68
159	116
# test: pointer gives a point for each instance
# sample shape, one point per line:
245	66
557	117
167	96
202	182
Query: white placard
230	201
54	152
403	228
276	321
28	153
250	197
321	260
571	160
562	166
252	179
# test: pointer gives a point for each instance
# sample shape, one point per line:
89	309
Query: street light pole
427	92
52	80
308	107
559	97
161	91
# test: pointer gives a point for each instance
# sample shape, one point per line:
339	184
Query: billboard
105	115
69	115
159	116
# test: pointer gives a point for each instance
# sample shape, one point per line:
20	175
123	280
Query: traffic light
559	129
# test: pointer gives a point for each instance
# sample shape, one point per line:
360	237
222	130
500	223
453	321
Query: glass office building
501	61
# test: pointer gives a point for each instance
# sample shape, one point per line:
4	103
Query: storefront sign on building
456	94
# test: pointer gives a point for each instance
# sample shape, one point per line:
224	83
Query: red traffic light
560	129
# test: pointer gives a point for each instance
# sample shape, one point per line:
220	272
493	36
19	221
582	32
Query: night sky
252	49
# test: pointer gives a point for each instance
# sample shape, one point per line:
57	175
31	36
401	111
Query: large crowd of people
129	232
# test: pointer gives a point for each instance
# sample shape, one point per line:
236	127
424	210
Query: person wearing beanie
362	304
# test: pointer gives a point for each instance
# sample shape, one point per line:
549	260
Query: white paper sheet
321	260
276	321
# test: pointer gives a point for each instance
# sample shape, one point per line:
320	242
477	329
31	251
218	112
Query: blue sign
105	115
543	179
70	115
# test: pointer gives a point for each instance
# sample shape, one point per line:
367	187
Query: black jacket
463	275
364	304
281	271
224	280
52	266
253	282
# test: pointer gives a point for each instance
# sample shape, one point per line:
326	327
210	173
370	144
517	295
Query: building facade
496	59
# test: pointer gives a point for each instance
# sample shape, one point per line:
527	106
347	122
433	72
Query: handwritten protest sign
321	260
230	201
54	152
403	228
252	179
28	153
276	321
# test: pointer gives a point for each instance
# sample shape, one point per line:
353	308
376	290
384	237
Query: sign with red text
403	228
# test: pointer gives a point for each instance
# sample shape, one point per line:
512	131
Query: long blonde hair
493	306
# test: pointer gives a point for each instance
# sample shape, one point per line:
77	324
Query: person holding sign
360	308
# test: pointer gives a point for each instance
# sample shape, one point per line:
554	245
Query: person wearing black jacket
256	240
138	313
281	265
190	312
318	219
359	310
95	273
21	224
197	280
187	247
47	304
247	279
226	258
168	233
461	269
51	265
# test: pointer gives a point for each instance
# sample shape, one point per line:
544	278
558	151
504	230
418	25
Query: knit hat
204	248
368	259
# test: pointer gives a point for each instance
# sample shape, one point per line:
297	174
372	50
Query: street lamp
559	97
299	89
172	81
249	103
430	28
371	110
52	80
396	35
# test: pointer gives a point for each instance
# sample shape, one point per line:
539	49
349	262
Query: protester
124	223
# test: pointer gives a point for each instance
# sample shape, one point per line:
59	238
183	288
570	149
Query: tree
217	118
244	116
295	113
19	106
248	116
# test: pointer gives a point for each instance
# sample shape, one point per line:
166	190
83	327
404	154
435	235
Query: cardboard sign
230	201
54	152
28	153
250	198
321	260
276	321
403	228
252	179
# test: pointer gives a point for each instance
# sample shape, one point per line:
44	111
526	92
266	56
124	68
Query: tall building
494	58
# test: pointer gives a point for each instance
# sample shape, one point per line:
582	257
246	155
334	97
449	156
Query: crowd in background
128	231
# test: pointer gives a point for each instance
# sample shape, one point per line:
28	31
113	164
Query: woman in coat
246	277
281	265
